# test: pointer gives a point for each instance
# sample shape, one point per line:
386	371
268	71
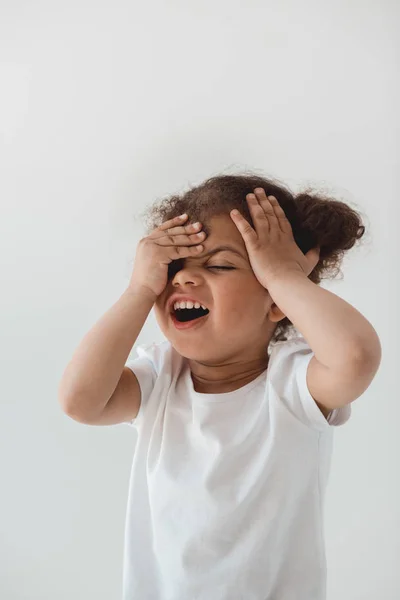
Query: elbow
369	355
74	408
69	407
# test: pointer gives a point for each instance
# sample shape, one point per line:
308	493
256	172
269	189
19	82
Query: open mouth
184	315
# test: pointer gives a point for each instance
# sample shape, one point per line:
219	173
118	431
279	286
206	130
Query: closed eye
221	267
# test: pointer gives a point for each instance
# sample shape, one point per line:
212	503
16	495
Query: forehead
222	230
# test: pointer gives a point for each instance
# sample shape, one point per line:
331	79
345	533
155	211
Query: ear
275	314
312	257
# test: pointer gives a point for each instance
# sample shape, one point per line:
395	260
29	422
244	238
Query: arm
93	373
346	346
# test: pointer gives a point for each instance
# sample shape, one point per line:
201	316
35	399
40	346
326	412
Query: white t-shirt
226	490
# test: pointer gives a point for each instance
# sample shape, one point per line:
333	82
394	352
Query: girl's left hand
271	246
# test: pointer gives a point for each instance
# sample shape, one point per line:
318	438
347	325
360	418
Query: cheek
233	307
243	305
160	314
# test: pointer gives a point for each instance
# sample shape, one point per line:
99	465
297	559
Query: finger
177	252
175	230
260	218
185	239
283	221
247	232
268	207
266	204
175	221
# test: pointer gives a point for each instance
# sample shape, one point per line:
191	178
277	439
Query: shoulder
288	353
291	363
156	353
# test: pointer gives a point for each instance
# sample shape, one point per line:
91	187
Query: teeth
188	304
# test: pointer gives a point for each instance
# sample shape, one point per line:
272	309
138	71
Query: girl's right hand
170	241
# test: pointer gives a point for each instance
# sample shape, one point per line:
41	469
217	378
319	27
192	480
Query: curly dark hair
316	219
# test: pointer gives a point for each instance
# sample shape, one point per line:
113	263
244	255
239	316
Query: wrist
285	276
141	292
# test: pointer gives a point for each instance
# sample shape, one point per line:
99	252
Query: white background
106	107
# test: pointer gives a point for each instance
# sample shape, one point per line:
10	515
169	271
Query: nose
186	275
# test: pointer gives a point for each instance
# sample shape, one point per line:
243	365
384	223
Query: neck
225	377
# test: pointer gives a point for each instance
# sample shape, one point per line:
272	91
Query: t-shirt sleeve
146	367
290	380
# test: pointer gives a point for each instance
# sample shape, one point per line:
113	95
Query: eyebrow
221	249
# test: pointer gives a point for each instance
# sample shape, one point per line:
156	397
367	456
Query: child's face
237	302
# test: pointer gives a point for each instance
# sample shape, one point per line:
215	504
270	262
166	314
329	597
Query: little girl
234	417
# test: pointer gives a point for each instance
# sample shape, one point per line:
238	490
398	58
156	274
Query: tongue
190	314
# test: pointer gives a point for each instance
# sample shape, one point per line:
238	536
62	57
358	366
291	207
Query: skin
229	349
